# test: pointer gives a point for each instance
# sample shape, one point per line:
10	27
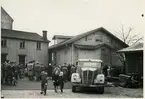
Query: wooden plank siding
13	50
134	63
93	39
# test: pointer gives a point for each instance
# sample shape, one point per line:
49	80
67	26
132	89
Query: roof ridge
79	36
21	31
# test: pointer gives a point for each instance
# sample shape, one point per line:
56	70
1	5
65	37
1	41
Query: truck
88	74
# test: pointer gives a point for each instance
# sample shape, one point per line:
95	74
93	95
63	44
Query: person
61	80
65	71
55	77
19	71
44	80
9	73
105	68
73	69
2	73
69	72
108	71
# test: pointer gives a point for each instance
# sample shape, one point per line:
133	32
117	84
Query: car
88	74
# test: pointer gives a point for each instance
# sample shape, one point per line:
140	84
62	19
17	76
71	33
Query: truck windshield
90	64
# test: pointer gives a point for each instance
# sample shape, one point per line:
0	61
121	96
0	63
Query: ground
31	89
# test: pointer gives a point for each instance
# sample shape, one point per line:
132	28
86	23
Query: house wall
6	21
134	63
110	57
86	54
63	55
59	40
99	37
13	50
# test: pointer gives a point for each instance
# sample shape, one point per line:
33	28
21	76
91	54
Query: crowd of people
67	70
60	74
10	70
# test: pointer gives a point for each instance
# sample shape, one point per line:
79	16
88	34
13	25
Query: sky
72	17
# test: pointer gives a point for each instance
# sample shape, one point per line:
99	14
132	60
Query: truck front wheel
101	90
73	88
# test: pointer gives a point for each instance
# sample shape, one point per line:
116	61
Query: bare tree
128	36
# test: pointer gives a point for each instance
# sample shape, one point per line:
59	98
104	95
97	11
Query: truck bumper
84	85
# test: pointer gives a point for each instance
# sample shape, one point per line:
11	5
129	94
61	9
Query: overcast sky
71	17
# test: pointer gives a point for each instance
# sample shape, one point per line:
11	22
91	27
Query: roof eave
24	39
129	51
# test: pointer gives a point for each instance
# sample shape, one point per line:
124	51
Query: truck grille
87	77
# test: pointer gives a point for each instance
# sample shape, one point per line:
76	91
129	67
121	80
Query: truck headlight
100	78
75	77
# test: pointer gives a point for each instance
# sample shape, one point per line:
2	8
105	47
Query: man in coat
44	79
55	77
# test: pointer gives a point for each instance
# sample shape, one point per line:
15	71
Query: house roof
2	9
75	38
135	47
14	34
62	37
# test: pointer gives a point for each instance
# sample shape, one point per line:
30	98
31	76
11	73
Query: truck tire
73	88
101	90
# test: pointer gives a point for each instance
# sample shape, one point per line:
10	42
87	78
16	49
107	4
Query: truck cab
88	74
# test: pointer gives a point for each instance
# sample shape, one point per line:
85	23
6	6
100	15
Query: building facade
21	46
95	44
6	20
134	59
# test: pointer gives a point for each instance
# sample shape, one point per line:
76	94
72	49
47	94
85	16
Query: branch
131	39
133	36
130	29
137	40
123	34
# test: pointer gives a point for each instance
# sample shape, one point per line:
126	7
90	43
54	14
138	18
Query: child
43	80
61	81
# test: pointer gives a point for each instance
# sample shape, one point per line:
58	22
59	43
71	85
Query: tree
128	37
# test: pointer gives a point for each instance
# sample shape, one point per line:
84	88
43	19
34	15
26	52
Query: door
22	59
3	58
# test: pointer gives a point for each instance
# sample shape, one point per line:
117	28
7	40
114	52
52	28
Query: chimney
44	35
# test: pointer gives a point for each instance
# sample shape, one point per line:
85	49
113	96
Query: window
22	44
3	43
38	45
99	38
104	50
